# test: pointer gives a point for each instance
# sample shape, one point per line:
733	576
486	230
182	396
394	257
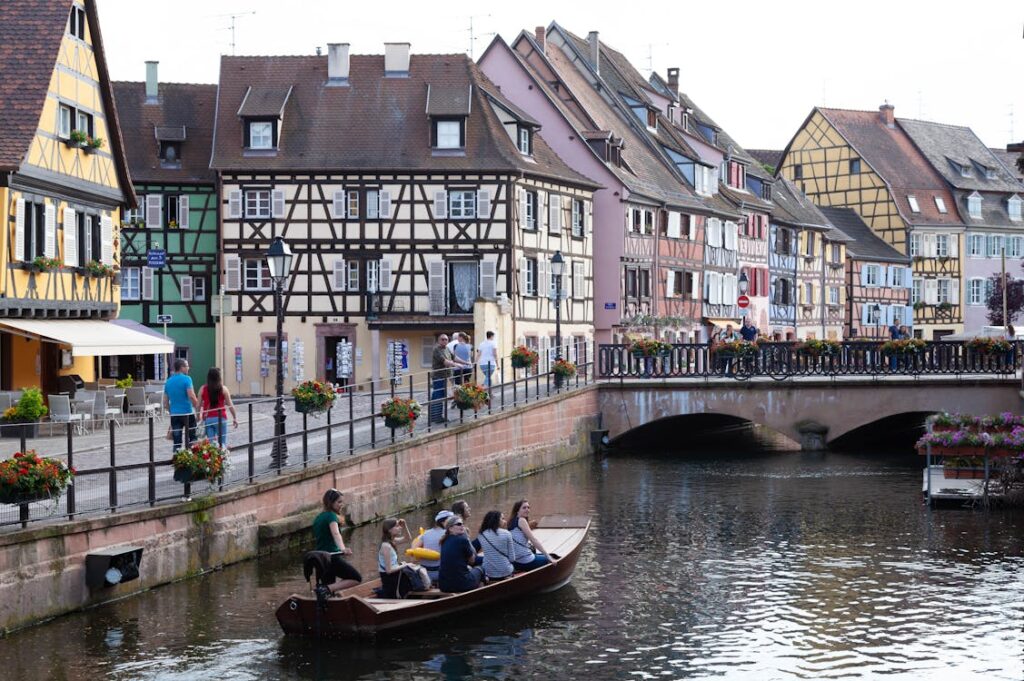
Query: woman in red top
215	400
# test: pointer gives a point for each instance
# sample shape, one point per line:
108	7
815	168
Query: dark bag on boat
416	577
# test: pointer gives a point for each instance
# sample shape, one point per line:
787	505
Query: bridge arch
702	432
900	430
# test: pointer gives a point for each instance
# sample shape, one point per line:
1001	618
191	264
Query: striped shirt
523	554
498	551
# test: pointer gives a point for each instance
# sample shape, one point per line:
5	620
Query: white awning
91	337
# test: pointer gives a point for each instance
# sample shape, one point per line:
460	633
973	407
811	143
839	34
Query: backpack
416	577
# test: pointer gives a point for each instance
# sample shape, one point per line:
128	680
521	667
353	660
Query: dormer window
262	112
963	169
261	135
974	206
1013	207
170	153
449	109
737	175
990	173
914	207
170	139
525	143
709	133
449	134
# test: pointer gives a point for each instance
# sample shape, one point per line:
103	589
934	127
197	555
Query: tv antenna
472	35
234	17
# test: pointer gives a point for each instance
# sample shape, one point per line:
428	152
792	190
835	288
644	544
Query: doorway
332	360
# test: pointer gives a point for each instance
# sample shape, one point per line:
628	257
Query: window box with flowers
470	396
97	270
77	139
203	460
400	413
43	264
649	347
817	347
23	418
985	346
523	357
313	397
27	477
93	144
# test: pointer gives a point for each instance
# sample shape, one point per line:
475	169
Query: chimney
337	64
152	84
595	51
396	60
887	112
541	36
673	80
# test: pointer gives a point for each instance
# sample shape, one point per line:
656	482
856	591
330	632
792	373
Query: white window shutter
674	225
232	272
183	211
908	278
234	204
339	279
385	274
277	203
588	208
954	291
50	230
436	285
384	205
931	291
887	315
70	237
887	275
521	195
864	275
154	210
543	277
483	203
954	245
186	287
554	212
338	206
542	210
523	278
670	280
691	226
441	207
579	279
694	286
19	230
106	240
147	283
488	279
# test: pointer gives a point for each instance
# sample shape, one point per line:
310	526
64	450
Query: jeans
437	386
488	369
539	560
217	430
183	430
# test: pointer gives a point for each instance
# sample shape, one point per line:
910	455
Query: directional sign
164	319
743	302
156	257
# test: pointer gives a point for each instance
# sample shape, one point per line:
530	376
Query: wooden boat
358	612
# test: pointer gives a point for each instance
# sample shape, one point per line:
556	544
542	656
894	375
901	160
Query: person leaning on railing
442	362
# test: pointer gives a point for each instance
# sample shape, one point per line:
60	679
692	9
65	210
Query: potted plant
24	416
203	460
173	224
919	305
92	144
562	369
43	264
945	307
77	138
470	396
739	349
906	346
984	345
94	268
523	357
816	347
400	413
313	397
28	477
124	383
649	347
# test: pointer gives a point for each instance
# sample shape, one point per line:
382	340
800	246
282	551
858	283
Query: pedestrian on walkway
748	331
441	364
463	355
487	357
215	399
180	401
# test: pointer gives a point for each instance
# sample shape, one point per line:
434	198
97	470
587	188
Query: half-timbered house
168	129
416	199
878	280
865	161
63	184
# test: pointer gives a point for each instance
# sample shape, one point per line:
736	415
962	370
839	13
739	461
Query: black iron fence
785	360
126	464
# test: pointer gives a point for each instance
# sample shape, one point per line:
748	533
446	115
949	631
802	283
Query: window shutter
338	206
384	205
488	279
521	194
483	203
147	283
441	205
864	275
694	286
731	234
954	291
670	280
908	278
385	274
908	315
588	224
865	314
234	204
436	286
887	275
954	245
183	211
277	203
50	230
186	287
232	272
673	225
554	213
339	279
70	237
931	291
523	283
543	278
155	210
19	230
106	240
579	279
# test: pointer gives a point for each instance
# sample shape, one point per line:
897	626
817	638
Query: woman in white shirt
431	539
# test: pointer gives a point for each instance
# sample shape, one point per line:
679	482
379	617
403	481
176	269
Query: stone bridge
812	412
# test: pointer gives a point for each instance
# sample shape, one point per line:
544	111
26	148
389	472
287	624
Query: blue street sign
156	257
609	306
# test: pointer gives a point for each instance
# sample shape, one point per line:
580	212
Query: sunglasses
456	524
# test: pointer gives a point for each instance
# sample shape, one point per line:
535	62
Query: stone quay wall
42	569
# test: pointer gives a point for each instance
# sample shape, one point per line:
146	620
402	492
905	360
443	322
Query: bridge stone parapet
813	412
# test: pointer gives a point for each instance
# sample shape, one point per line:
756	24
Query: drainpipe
821	264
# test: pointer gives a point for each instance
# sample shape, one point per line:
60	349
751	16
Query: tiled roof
792	207
448	101
1010	159
264	101
864	243
184	112
375	123
995	211
770	157
892	154
940	142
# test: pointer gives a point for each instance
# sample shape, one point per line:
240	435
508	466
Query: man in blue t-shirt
748	331
180	400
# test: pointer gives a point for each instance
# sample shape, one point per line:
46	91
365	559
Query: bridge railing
782	360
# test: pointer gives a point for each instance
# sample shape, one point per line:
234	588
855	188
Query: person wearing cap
457	572
431	539
327	532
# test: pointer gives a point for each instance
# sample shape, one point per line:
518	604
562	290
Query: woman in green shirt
327	532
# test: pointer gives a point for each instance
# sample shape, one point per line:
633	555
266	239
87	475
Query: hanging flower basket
204	460
27	477
649	347
739	349
907	346
313	397
400	413
815	347
523	357
470	396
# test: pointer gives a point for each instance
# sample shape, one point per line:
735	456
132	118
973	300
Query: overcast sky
757	68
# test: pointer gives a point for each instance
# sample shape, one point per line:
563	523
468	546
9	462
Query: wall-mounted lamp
111	567
444	478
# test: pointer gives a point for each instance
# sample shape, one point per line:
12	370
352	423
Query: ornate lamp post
279	262
744	283
557	269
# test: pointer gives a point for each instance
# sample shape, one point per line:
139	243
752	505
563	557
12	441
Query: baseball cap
443	515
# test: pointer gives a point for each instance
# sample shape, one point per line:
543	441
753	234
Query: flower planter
307	408
963	473
518	363
17	430
559	381
396	424
186	475
466	406
18	499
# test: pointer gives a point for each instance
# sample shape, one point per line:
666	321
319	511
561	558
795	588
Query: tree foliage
1014	299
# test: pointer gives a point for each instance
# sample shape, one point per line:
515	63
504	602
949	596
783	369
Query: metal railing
129	466
785	360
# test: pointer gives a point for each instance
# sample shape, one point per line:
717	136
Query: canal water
776	565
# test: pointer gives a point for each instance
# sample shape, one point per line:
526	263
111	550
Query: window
834	251
808	293
854	166
976	245
1013	207
170	153
257	274
916	288
352	207
76	23
531	277
524	140
645	283
809	243
798	172
531	210
944	290
83	123
975	291
372	204
257	203
995	245
88	238
261	134
373	276
914	207
974	206
833	295
171	205
352	275
448	135
898	276
130	283
915	245
1015	249
461	204
198	288
940	204
872	275
64	121
35	230
631	283
577	217
649	222
942	245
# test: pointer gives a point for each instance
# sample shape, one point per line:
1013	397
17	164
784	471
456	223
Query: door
49	364
464	286
331	360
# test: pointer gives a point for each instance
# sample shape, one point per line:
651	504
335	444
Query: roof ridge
944	125
162	83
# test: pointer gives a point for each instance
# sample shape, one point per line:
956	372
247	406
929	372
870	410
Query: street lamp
279	262
557	269
744	283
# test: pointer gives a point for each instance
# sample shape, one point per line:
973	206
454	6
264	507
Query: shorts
343	569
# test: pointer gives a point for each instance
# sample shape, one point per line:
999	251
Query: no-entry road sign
743	302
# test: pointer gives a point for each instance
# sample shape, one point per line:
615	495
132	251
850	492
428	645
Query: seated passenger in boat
431	539
498	546
529	552
457	572
393	532
327	533
461	508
